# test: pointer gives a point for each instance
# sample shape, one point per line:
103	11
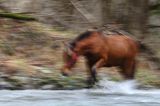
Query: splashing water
128	86
123	87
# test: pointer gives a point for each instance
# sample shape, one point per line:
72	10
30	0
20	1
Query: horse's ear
67	47
64	44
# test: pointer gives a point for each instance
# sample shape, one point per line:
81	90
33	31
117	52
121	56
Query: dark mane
81	37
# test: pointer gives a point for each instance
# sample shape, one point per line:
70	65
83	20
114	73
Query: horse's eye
67	57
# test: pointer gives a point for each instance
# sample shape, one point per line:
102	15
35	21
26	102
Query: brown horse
102	51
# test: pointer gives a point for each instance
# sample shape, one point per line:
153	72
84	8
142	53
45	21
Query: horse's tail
149	53
143	47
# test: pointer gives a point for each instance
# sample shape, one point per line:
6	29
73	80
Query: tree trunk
138	18
106	11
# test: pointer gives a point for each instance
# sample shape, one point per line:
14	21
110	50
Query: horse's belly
114	62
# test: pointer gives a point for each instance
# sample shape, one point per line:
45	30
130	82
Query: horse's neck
80	47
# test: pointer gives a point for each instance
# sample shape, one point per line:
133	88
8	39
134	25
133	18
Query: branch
91	20
153	26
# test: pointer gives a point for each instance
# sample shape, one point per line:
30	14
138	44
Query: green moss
17	16
155	12
155	7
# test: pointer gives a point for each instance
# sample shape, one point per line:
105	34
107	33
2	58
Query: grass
148	77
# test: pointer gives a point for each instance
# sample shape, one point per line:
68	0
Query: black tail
150	54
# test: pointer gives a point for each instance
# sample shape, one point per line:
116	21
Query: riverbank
31	58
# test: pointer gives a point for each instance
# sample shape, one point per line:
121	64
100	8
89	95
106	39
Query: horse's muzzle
65	71
64	74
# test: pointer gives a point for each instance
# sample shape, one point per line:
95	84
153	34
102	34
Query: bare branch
89	17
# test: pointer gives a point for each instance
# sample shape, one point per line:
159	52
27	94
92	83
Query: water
109	94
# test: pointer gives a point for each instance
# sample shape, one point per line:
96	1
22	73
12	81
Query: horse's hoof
96	81
89	86
90	83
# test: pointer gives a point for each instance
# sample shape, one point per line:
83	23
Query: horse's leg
90	80
98	64
92	67
128	69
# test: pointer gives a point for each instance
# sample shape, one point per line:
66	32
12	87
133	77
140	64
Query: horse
101	51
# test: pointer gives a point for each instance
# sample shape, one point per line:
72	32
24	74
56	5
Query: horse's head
69	57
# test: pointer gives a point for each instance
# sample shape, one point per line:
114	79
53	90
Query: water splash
123	87
118	87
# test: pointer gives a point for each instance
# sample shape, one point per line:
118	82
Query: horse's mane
81	37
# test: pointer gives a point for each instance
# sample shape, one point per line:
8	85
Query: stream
108	93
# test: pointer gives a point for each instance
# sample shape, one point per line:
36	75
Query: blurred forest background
32	31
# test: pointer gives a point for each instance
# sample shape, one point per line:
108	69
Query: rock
6	85
27	86
146	87
21	79
48	87
43	69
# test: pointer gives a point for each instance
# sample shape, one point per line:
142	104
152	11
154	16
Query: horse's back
121	46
